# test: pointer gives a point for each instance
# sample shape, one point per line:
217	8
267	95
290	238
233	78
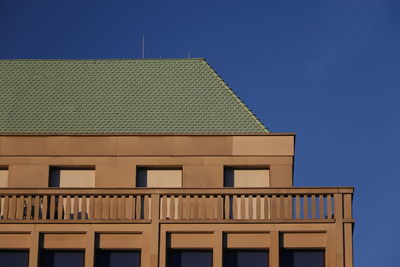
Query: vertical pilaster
274	249
34	248
90	248
218	248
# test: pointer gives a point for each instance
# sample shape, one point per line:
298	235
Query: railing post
338	211
348	230
153	243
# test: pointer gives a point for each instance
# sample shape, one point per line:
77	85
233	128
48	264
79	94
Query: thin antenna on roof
188	54
142	45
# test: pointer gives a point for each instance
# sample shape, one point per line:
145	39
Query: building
152	162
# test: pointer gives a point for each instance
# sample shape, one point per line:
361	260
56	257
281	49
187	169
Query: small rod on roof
142	45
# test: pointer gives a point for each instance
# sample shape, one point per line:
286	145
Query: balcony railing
49	205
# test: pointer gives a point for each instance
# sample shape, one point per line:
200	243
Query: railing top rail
178	191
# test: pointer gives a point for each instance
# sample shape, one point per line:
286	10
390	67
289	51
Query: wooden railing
172	205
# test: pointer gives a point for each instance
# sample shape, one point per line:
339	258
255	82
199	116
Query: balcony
180	205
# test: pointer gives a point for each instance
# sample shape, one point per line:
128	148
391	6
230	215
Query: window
244	258
3	177
62	258
246	177
72	177
302	258
159	177
189	258
14	258
117	258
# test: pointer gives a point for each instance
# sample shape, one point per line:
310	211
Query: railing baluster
305	206
120	209
130	208
298	207
114	207
68	208
105	208
258	207
52	206
313	207
20	207
138	208
227	214
329	207
172	208
76	207
211	207
83	208
92	204
267	209
289	207
321	206
242	207
250	199
5	207
180	207
186	207
195	207
281	207
37	207
164	207
60	207
273	207
97	207
146	208
203	209
13	207
235	207
44	208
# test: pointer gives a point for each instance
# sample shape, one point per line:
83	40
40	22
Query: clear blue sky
327	70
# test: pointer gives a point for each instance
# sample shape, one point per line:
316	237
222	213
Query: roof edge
147	134
241	102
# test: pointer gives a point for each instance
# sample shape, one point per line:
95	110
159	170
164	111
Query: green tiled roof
121	96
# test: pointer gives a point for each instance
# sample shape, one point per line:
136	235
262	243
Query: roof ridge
237	98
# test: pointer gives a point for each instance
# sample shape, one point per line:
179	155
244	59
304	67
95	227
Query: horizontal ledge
178	191
270	221
75	221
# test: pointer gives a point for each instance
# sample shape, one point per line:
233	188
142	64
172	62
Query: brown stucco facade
202	214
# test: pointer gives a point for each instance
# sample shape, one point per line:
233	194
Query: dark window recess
62	258
245	258
14	258
54	180
117	258
189	258
141	177
229	177
302	258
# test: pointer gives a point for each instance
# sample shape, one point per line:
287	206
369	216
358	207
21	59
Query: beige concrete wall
154	239
115	158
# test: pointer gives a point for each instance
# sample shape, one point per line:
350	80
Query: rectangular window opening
72	177
246	257
246	177
152	177
117	258
302	258
189	258
61	258
14	258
